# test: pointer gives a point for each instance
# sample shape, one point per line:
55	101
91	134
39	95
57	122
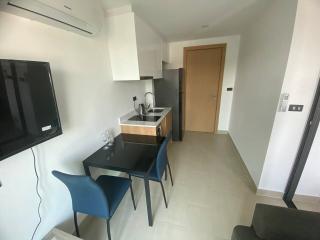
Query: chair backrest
162	157
87	196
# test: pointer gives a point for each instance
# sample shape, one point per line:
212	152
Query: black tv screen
28	109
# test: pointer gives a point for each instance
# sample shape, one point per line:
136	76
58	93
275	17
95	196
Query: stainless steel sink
144	118
156	110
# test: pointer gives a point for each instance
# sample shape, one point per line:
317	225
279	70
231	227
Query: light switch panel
283	103
295	108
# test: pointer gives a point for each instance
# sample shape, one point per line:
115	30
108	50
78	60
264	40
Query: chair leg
164	195
76	223
165	174
170	173
108	229
132	195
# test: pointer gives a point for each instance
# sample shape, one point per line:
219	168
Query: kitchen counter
124	120
161	127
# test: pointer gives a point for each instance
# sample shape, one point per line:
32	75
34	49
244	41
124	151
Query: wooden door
204	72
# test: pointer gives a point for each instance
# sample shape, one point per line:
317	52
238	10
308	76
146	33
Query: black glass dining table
132	154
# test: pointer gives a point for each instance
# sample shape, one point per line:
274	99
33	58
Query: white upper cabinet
135	49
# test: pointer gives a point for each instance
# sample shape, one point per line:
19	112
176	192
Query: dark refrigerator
169	92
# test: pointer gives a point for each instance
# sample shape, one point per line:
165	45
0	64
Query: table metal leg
148	200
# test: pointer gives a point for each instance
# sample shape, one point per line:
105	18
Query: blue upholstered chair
160	167
98	198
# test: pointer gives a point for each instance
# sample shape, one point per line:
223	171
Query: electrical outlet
295	108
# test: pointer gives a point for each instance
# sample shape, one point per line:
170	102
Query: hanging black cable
38	193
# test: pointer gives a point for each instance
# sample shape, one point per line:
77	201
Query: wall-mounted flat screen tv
28	109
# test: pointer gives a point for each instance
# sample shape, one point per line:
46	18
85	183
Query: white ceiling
179	20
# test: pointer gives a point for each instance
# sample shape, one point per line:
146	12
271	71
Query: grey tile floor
211	194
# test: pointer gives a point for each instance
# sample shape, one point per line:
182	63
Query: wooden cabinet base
162	129
131	129
166	125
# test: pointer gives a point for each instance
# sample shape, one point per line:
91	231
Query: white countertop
124	120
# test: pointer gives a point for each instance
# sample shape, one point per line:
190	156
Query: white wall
89	102
176	61
300	81
309	184
263	56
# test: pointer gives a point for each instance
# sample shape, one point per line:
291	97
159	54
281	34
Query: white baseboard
306	198
222	132
252	183
296	198
269	193
56	233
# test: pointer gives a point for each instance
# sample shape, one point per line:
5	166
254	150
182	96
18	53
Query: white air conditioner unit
81	16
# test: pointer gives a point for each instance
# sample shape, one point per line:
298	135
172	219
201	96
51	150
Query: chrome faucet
145	100
143	108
